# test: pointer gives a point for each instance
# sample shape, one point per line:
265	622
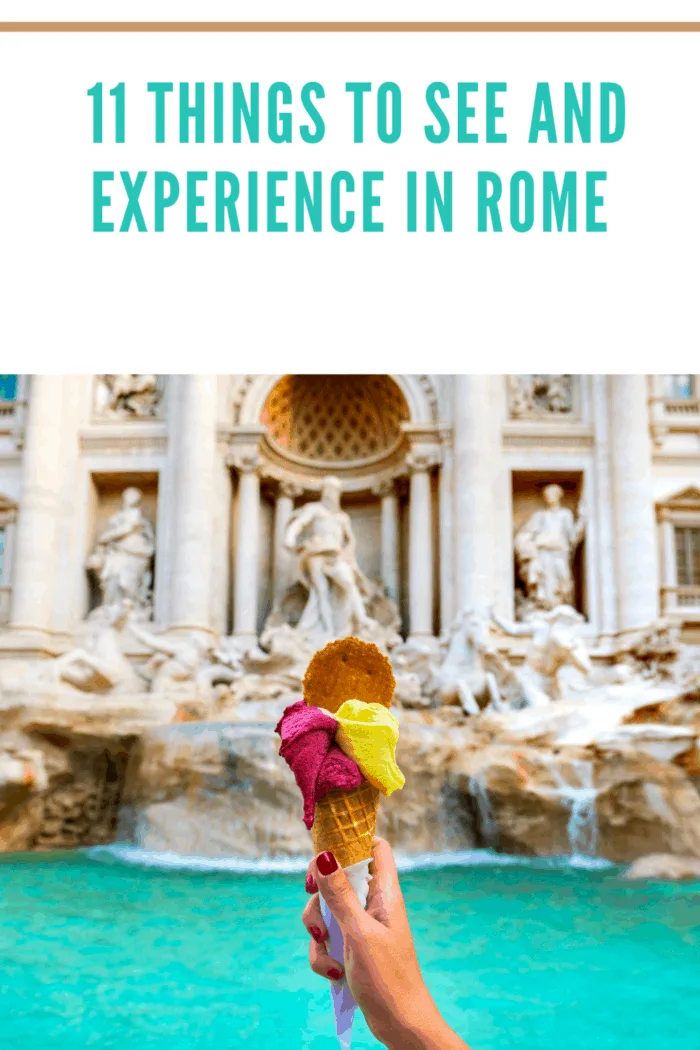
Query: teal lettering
489	193
543	115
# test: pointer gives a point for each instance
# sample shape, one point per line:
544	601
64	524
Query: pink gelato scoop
318	764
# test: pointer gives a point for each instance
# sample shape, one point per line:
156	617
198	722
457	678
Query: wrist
424	1030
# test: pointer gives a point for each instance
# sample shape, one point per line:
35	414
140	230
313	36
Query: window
680	388
688	556
8	388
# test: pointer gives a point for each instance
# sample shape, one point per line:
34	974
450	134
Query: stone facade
525	548
444	479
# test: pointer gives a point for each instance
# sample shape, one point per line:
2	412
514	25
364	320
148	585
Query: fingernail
311	886
316	934
326	863
334	974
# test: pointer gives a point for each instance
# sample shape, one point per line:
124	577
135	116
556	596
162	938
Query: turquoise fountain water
96	952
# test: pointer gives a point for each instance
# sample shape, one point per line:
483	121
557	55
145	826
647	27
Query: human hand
380	961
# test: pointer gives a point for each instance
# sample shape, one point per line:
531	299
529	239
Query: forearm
430	1033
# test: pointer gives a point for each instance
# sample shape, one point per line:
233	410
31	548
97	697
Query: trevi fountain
549	702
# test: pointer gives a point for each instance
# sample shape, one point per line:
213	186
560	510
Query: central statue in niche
321	536
330	598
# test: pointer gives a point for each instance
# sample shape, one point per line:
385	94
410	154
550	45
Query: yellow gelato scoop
369	733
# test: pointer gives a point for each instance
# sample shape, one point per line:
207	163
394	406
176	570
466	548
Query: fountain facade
175	549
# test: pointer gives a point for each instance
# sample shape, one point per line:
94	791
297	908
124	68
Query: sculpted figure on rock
189	664
555	643
98	666
467	673
123	558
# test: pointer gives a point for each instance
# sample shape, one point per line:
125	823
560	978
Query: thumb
335	888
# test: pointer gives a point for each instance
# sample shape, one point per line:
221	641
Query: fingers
310	886
320	961
322	964
385	899
313	920
337	892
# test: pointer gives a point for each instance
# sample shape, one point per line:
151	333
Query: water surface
95	952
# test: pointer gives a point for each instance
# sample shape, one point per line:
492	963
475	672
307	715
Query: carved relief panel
120	397
540	396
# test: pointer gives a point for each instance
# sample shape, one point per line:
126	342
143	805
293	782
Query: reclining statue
555	643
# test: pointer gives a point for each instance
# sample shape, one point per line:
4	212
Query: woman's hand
380	958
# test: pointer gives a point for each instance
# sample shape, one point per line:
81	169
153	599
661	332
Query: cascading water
487	824
580	799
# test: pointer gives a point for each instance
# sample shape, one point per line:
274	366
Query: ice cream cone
345	823
349	669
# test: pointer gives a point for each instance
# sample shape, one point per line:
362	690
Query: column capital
289	489
244	444
423	458
246	459
385	487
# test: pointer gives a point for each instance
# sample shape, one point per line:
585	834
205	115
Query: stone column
35	555
284	508
604	548
669	569
447	569
386	491
474	471
633	503
245	581
420	460
194	438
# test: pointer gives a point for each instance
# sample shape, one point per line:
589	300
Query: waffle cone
345	823
348	669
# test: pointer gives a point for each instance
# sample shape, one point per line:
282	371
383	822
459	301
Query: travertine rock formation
665	866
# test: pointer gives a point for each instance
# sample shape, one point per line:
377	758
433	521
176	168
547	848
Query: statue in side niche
544	550
122	559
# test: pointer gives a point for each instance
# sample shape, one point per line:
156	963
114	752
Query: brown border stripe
349	27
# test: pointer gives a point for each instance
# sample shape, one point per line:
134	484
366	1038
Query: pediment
8	510
688	497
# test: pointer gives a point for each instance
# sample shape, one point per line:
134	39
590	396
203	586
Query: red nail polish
326	863
334	974
316	934
311	886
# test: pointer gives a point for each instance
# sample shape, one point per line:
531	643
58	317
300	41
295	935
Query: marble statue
465	676
555	643
99	666
330	597
191	664
539	395
544	549
128	396
656	652
123	558
321	536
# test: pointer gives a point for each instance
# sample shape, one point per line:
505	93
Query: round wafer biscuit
348	669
